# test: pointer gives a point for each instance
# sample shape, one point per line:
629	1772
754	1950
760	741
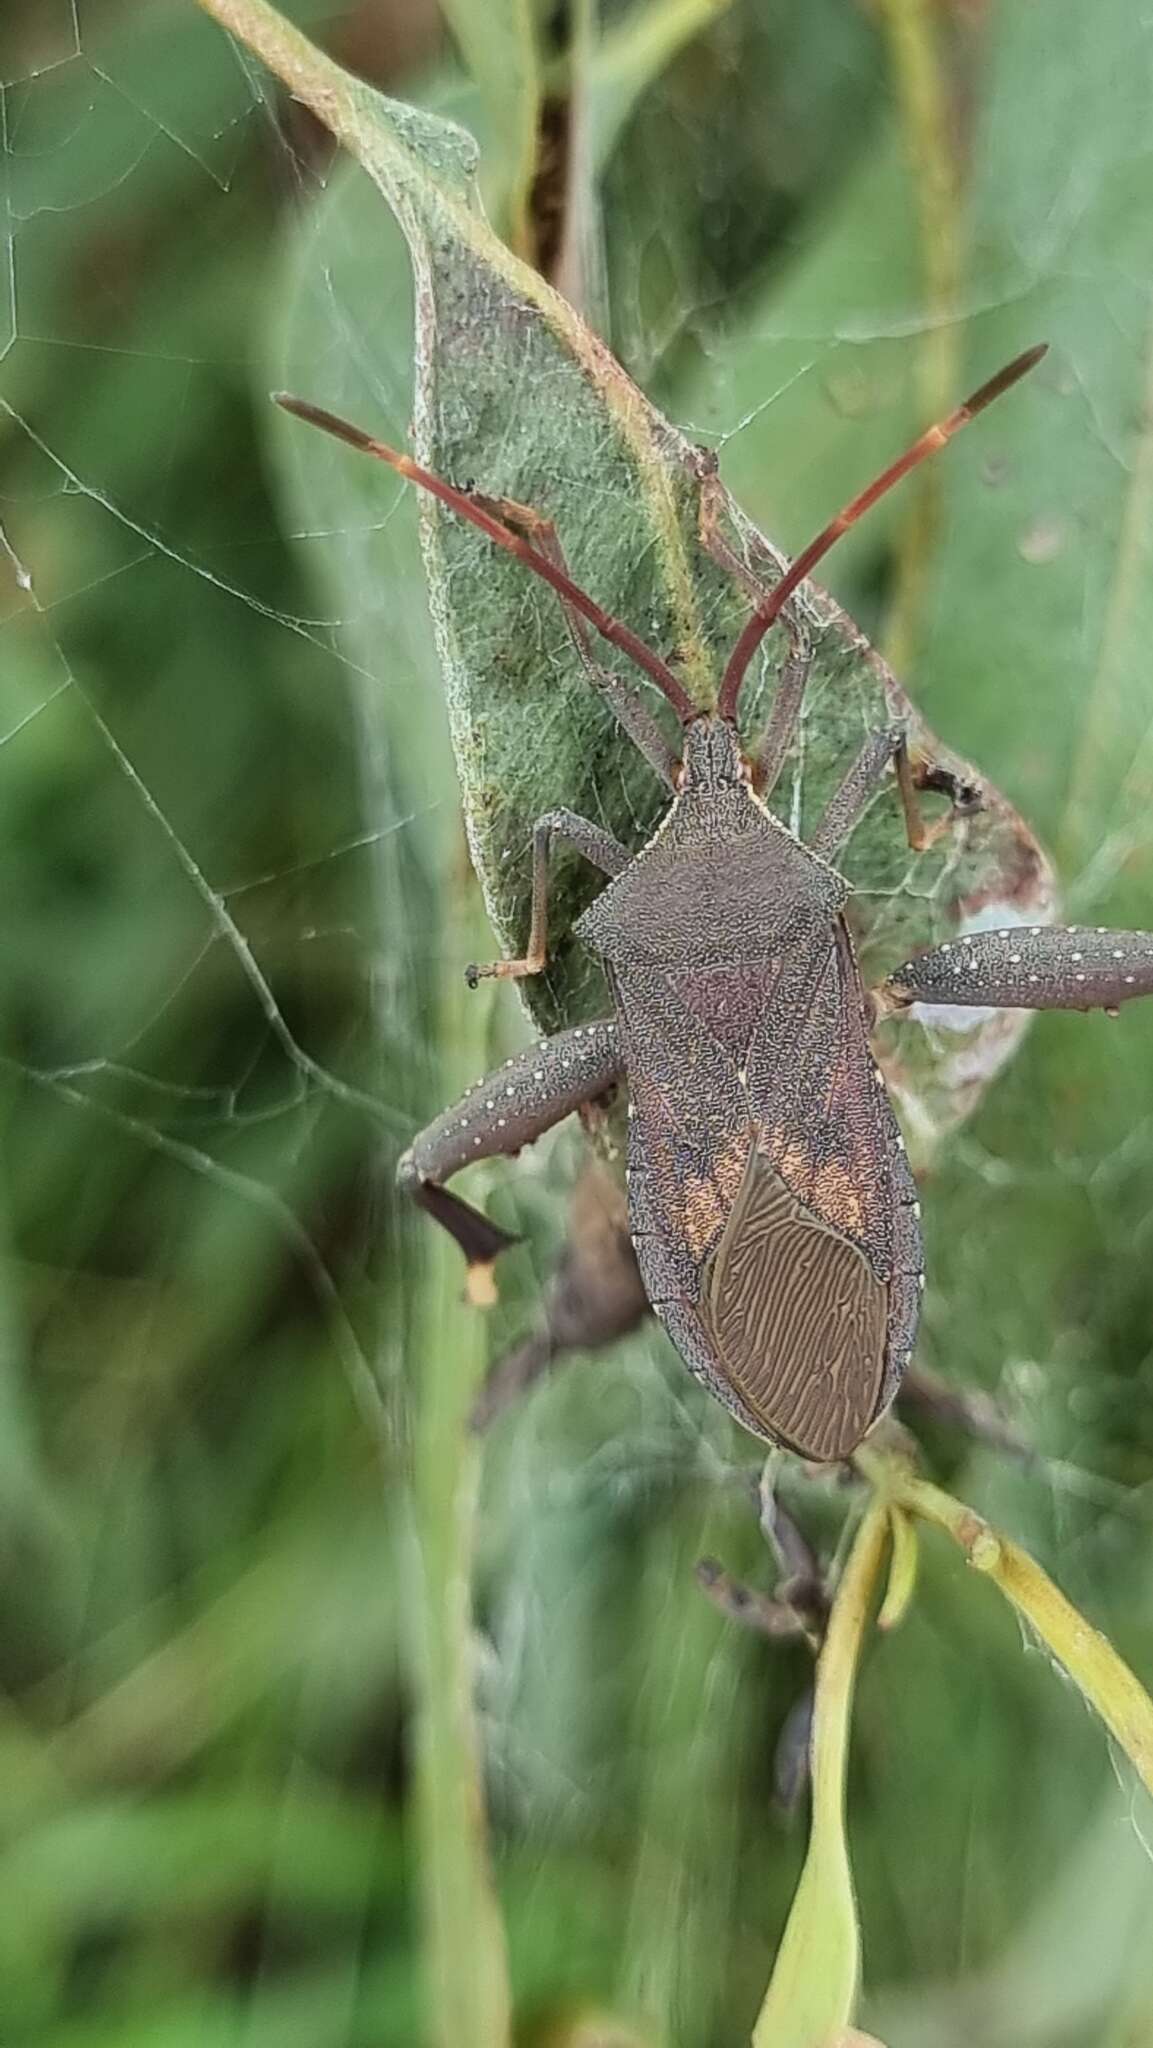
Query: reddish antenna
613	630
933	438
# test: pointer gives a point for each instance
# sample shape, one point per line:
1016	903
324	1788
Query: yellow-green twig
1092	1662
814	1984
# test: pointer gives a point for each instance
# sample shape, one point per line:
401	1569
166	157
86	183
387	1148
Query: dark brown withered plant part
594	1297
771	1206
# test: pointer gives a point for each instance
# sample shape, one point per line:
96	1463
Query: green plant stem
927	129
1092	1662
814	1983
465	1959
499	43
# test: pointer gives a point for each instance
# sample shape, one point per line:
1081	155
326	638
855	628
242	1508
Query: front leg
507	1109
622	697
1026	967
597	846
769	751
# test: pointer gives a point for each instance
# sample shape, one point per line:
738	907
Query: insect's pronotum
772	1210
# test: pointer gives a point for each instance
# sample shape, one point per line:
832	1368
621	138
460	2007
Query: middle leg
848	804
627	707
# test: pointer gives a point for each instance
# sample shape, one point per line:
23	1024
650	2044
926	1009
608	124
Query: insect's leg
1025	967
848	804
769	750
597	846
507	1109
595	1296
710	532
975	1413
746	1604
915	775
626	705
614	630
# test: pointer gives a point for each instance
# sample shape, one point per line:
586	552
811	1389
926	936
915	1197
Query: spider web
226	792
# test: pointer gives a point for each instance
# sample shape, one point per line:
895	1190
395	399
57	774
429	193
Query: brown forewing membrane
797	1317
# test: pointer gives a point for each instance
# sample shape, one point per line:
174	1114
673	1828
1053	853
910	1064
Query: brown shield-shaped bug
772	1210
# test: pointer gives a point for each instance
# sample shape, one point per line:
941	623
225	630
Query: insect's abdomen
798	1319
771	1205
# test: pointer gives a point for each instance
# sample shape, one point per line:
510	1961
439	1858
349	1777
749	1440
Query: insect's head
712	756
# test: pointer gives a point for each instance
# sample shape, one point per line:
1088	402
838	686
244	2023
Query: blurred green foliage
226	805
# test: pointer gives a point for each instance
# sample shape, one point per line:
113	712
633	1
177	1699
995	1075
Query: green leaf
1061	551
513	391
813	392
721	180
499	43
632	53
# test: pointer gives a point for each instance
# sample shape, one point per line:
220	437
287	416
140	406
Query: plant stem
1091	1661
927	126
465	1957
814	1984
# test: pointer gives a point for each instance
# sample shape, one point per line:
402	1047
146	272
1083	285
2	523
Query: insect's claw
503	970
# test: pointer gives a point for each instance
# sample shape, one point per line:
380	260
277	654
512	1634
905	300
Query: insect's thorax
720	879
